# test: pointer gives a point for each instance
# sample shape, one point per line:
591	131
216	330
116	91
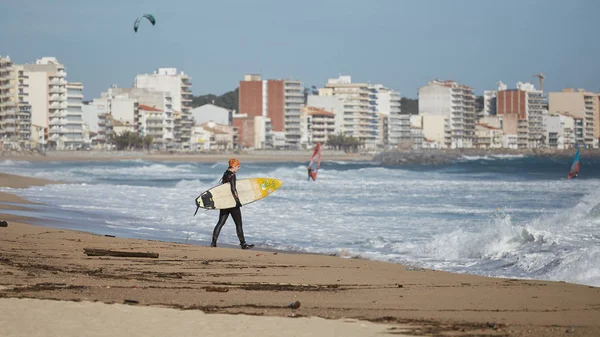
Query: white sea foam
475	223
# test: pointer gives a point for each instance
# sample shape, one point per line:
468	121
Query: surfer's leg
223	215
236	214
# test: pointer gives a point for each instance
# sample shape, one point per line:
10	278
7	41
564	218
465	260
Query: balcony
58	81
58	122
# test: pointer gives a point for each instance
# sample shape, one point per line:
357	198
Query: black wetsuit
236	213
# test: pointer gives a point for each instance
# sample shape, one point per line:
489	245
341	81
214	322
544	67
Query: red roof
318	111
148	108
488	126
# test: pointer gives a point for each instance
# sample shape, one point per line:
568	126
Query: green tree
345	143
228	100
130	140
410	105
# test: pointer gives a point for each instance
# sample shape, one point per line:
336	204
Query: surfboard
249	190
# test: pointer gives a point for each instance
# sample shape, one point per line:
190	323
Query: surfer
310	173
236	213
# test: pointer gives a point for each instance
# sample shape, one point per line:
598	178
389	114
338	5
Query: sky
401	44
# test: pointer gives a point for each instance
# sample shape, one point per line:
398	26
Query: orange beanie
234	162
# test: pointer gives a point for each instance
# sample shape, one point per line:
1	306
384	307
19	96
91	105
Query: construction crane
541	77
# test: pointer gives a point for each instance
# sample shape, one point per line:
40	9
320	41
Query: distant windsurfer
310	175
236	213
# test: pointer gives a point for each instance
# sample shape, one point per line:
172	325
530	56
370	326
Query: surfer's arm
234	189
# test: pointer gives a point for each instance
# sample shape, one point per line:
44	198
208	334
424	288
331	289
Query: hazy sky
399	43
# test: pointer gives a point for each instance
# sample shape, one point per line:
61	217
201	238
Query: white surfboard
249	190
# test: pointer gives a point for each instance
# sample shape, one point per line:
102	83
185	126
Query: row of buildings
449	116
40	107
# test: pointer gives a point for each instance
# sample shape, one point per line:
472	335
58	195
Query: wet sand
44	263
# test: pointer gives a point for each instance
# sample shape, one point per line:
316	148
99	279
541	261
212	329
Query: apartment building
48	97
359	120
149	121
73	123
177	86
116	113
388	102
156	118
522	112
535	114
488	136
15	110
212	136
278	100
329	103
584	106
318	124
454	102
560	130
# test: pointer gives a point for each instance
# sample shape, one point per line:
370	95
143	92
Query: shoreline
388	157
40	262
265	156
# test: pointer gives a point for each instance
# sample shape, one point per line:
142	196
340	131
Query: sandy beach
196	289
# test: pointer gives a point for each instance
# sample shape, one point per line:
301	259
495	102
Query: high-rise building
155	116
278	100
360	121
49	106
317	124
15	111
74	115
388	103
521	111
584	106
454	101
179	87
116	113
560	130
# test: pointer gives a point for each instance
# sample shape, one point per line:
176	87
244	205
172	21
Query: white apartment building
114	111
15	111
74	116
456	103
359	120
318	124
388	103
157	119
48	98
179	87
212	136
535	114
560	130
488	136
329	103
90	114
584	106
436	129
490	100
293	99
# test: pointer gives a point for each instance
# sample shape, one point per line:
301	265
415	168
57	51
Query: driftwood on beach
106	252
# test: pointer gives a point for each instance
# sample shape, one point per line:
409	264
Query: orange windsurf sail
315	162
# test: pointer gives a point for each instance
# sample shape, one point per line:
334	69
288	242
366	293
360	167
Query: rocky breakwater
417	157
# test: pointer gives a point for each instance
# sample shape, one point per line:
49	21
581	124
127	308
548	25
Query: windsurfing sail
315	163
574	171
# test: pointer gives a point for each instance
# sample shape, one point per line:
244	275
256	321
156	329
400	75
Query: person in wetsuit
309	173
236	213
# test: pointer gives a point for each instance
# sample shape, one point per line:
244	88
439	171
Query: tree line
130	141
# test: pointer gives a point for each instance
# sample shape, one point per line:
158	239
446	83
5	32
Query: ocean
499	216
